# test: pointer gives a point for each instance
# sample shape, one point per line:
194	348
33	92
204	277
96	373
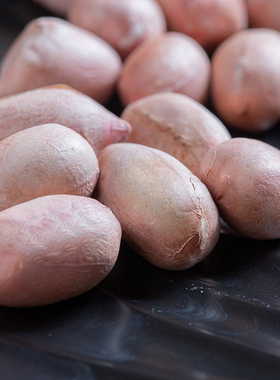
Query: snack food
55	247
63	105
124	24
176	124
209	22
243	176
172	62
43	160
167	214
53	51
245	86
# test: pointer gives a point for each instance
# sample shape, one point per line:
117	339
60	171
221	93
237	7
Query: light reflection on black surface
150	322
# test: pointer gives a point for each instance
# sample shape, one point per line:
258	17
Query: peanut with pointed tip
166	213
62	105
55	247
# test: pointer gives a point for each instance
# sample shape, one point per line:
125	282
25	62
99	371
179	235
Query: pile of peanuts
163	175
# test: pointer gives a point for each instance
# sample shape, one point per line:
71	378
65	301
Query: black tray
218	320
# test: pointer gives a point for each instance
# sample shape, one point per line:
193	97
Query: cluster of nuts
76	178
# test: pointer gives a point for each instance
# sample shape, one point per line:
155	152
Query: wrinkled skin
243	176
172	62
52	51
43	160
209	22
264	14
245	86
124	24
55	247
176	124
167	215
65	106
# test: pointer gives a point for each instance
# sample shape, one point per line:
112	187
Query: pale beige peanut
55	247
166	213
245	85
209	22
175	124
124	24
53	51
243	176
43	160
62	105
171	62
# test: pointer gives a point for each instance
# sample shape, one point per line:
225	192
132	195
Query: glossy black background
218	320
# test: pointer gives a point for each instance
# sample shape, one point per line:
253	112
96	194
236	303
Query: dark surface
218	320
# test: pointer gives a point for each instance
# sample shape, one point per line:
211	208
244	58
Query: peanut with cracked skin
62	105
176	124
166	213
55	247
43	160
243	176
